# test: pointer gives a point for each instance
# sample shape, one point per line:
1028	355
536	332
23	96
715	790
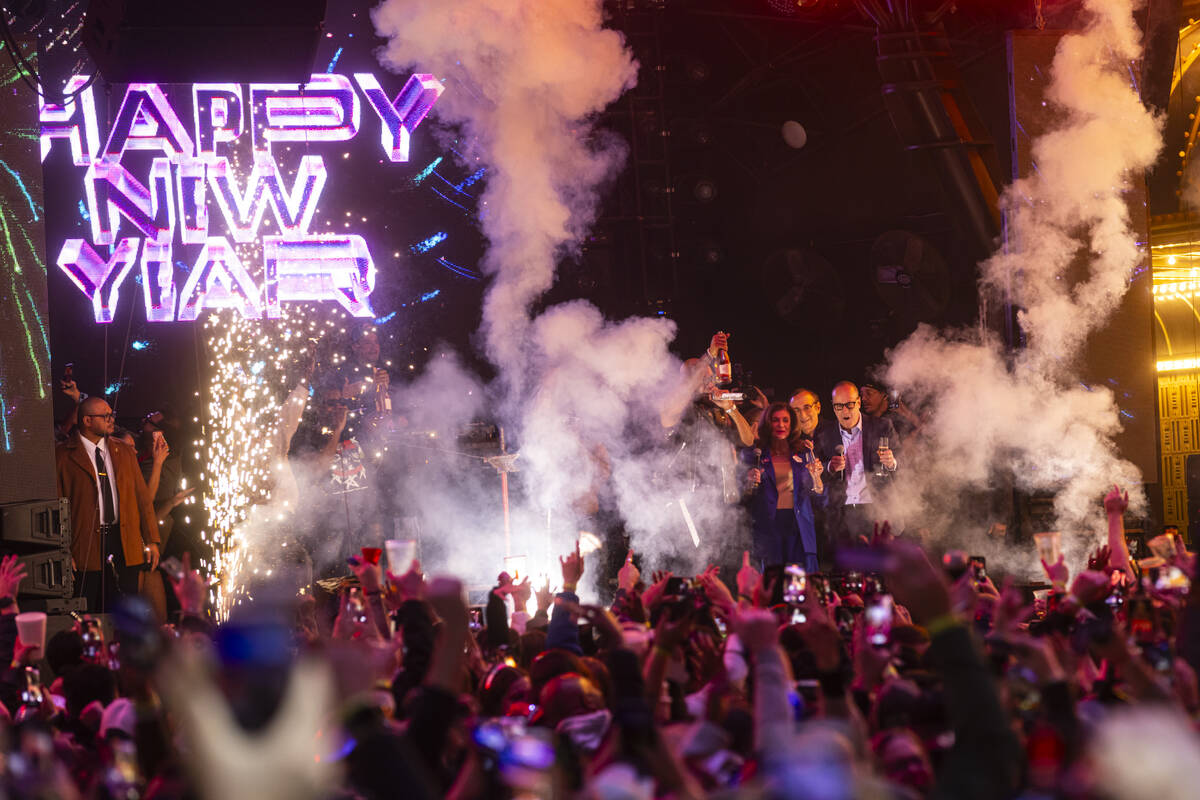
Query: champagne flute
880	470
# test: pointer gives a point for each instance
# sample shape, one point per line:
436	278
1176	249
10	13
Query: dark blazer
828	438
764	504
823	434
77	482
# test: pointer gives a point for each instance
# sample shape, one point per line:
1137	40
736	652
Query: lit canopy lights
1178	365
1167	291
171	207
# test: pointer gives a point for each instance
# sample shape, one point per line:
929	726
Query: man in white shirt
860	474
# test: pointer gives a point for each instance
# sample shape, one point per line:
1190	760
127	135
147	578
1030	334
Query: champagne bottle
724	367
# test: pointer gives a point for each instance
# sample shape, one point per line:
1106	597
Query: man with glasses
815	431
114	535
807	406
857	477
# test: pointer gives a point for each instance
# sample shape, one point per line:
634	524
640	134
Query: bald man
858	478
114	534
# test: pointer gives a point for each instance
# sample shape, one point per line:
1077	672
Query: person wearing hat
875	403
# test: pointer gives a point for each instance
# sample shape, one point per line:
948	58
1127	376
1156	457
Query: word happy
190	176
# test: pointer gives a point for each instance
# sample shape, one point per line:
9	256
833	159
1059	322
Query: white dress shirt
856	474
91	449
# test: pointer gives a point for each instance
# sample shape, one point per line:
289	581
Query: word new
172	205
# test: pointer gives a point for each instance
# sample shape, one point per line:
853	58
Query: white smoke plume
525	80
994	413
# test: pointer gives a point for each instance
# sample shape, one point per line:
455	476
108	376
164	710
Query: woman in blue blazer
785	480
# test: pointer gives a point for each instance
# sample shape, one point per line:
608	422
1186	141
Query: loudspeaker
188	41
55	605
48	574
36	525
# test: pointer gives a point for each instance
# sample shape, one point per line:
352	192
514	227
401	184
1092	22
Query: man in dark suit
813	427
114	534
859	477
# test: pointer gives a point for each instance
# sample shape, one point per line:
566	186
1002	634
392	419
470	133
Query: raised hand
446	596
12	572
758	399
545	597
521	593
191	589
1116	501
716	591
629	575
719	341
757	628
824	642
916	583
1091	586
1058	573
161	449
748	578
655	591
70	389
370	576
605	623
409	586
572	569
1098	561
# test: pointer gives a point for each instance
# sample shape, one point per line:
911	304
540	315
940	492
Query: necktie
106	496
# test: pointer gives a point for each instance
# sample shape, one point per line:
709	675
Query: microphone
840	450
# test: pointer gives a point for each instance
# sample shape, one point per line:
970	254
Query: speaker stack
39	533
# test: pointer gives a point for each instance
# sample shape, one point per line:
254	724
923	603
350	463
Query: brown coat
77	483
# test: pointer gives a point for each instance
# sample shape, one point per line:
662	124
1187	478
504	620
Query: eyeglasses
850	406
109	415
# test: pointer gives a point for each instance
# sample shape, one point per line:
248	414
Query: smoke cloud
525	80
1025	414
581	393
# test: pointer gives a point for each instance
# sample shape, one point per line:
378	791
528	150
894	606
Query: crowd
840	660
911	679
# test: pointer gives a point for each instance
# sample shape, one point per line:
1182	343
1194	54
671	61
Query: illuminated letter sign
190	195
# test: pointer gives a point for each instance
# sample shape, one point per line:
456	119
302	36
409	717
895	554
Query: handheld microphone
840	450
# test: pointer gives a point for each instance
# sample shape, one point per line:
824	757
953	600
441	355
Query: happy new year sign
140	219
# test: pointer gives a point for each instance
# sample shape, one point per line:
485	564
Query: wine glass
880	470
